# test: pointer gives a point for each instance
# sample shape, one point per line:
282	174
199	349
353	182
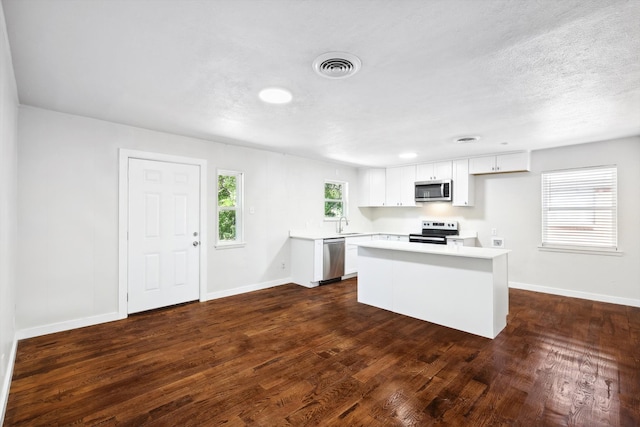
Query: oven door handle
424	239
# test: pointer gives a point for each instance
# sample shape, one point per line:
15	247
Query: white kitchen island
464	288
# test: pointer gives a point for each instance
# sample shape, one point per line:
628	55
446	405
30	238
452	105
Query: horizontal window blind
579	208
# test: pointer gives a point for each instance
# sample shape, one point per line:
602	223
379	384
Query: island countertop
459	251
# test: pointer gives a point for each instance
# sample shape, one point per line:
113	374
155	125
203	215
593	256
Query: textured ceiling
521	74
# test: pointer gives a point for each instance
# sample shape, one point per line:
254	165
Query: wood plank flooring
292	356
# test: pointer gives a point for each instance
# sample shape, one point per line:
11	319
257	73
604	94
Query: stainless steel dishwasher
332	260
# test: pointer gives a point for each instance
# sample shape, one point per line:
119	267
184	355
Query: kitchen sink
348	234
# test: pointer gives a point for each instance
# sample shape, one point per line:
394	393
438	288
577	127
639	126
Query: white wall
68	210
511	204
8	212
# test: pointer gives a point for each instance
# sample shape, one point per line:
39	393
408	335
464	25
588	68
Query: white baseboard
110	317
6	383
576	294
247	288
67	325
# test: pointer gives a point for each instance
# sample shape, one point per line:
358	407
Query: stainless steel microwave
433	191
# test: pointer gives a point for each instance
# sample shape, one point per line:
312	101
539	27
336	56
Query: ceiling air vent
467	139
336	65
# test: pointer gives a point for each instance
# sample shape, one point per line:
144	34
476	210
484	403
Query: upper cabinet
433	171
463	184
515	162
372	187
396	186
401	186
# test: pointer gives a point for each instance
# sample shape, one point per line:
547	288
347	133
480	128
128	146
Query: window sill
231	245
574	250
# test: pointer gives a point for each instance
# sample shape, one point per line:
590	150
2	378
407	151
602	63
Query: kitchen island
464	288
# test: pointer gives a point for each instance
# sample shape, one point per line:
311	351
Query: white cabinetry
392	237
401	186
433	171
306	261
351	253
514	162
463	184
372	187
466	289
461	240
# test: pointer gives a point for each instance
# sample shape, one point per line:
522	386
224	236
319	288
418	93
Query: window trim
577	248
345	199
239	208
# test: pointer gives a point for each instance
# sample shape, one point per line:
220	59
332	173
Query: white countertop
319	234
468	235
460	251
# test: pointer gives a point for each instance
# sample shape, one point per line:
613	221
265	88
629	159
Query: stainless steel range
435	232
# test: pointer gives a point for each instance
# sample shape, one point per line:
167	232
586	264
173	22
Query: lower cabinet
392	237
306	261
461	241
351	253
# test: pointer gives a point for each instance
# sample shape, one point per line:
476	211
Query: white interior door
163	229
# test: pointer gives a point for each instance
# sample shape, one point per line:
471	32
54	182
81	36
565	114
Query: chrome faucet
346	221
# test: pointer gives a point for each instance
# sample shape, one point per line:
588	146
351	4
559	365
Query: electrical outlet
282	266
497	242
494	231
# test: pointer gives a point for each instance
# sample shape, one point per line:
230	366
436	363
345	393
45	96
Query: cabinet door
442	170
317	260
401	186
377	191
425	172
364	187
463	184
433	171
515	162
478	165
372	187
351	253
408	186
393	186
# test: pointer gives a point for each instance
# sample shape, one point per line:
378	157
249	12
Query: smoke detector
336	65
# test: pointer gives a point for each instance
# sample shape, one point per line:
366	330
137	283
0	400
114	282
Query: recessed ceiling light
275	95
408	155
466	139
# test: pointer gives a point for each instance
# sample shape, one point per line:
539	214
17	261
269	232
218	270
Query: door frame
123	218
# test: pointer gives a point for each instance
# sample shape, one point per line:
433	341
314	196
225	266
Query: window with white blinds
579	208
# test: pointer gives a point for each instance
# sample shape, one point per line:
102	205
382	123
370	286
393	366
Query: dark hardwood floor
292	356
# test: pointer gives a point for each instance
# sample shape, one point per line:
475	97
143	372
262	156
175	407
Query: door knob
196	243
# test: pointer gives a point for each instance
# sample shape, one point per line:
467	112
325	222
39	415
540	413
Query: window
579	208
335	199
230	210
